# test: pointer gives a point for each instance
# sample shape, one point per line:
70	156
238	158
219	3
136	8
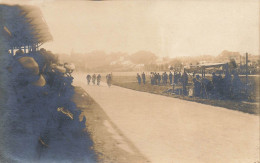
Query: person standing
175	77
196	87
143	77
155	78
215	84
170	78
184	80
227	85
138	77
159	78
220	86
109	79
163	78
94	79
152	78
236	86
166	78
88	78
98	79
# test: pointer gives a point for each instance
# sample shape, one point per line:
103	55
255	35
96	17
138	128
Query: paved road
169	130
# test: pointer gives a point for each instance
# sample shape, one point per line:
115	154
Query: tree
143	57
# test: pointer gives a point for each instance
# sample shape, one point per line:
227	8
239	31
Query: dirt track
165	129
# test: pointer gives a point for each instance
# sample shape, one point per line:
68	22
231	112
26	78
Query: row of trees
148	61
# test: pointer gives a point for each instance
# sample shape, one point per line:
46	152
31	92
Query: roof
23	25
206	65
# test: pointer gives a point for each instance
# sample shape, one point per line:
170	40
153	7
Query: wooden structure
23	27
202	67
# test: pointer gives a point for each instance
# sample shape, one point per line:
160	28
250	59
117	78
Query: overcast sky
166	28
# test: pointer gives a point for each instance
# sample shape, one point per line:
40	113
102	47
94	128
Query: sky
166	28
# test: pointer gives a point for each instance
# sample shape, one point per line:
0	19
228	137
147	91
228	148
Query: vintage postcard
121	81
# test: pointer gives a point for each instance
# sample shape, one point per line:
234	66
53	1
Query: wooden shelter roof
23	25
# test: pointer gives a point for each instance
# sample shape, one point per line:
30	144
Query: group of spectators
164	78
140	79
217	87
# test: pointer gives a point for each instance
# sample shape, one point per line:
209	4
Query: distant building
139	67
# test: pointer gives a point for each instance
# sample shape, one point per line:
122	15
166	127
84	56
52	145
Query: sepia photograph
129	81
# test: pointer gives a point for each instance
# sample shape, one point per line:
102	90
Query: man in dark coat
88	78
98	79
170	77
166	78
159	78
237	86
138	77
184	80
196	87
227	85
94	79
143	77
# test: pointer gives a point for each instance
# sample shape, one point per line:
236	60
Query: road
167	130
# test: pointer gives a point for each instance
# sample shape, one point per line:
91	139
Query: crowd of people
217	87
164	78
97	78
94	78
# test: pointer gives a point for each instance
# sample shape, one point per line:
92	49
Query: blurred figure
178	77
155	78
193	74
166	78
196	86
170	77
98	79
220	85
227	85
184	80
138	77
237	86
94	79
175	77
215	84
214	79
88	78
109	79
206	88
152	78
143	77
159	78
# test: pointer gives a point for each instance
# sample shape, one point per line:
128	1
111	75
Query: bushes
36	130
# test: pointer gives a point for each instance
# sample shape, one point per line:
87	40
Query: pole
246	71
240	63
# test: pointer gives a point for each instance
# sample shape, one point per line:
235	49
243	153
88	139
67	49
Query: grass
130	82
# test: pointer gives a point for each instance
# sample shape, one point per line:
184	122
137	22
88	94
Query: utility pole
240	64
246	71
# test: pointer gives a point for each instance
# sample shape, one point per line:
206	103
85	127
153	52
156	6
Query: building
23	28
